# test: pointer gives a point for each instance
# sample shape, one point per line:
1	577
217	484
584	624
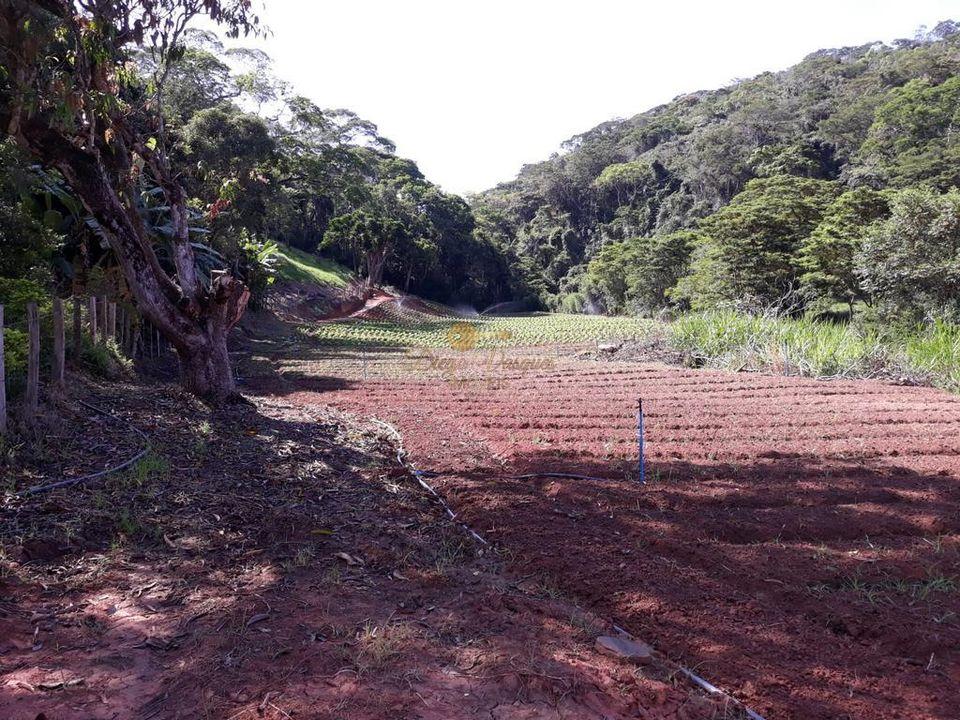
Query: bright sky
473	90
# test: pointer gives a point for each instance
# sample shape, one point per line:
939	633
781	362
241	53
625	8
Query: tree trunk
194	319
375	263
206	371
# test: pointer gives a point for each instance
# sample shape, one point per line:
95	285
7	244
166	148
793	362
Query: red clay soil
798	542
278	563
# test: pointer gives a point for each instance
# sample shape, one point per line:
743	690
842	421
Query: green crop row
396	327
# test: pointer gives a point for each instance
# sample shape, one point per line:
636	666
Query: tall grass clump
801	346
932	352
928	353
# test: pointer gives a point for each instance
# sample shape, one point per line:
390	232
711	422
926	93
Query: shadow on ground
276	562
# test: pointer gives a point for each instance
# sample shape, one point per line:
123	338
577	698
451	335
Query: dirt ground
798	541
276	562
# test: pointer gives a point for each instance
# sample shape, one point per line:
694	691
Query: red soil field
797	544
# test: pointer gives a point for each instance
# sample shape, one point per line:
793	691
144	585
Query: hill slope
876	115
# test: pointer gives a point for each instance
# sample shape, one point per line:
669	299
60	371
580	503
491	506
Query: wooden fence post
76	328
59	340
31	398
92	304
112	321
102	319
3	382
128	336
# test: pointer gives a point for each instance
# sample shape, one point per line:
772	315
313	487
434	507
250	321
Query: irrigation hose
704	684
93	476
419	475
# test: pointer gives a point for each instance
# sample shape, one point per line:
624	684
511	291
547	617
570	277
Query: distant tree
369	236
68	95
910	263
200	79
915	135
827	256
808	158
231	157
607	276
640	273
748	253
665	259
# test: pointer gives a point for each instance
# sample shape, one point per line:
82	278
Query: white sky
473	90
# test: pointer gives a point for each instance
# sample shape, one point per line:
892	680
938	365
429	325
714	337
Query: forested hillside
258	164
828	185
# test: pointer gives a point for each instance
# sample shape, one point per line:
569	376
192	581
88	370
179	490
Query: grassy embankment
927	354
297	266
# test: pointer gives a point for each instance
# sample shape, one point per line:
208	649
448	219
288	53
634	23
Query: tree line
146	156
829	187
138	148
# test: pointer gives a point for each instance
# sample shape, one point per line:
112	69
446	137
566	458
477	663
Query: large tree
70	96
910	262
827	255
748	254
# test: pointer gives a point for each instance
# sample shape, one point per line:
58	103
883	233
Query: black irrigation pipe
93	476
419	475
570	476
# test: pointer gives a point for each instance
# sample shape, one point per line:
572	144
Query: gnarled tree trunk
194	319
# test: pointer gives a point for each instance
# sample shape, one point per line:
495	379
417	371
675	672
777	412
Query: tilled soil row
798	541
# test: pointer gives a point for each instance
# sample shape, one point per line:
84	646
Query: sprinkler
641	469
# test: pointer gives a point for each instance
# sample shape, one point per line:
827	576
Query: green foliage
105	360
932	350
15	294
803	346
748	254
639	274
827	256
910	263
875	115
259	264
232	155
810	159
28	227
914	138
14	351
150	467
365	236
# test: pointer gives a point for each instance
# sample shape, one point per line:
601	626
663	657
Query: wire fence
39	338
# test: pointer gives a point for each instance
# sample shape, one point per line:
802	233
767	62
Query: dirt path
798	542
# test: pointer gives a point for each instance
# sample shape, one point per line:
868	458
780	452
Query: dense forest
261	164
826	187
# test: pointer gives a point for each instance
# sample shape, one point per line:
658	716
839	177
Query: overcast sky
473	90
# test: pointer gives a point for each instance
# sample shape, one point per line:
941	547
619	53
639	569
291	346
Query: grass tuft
928	354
